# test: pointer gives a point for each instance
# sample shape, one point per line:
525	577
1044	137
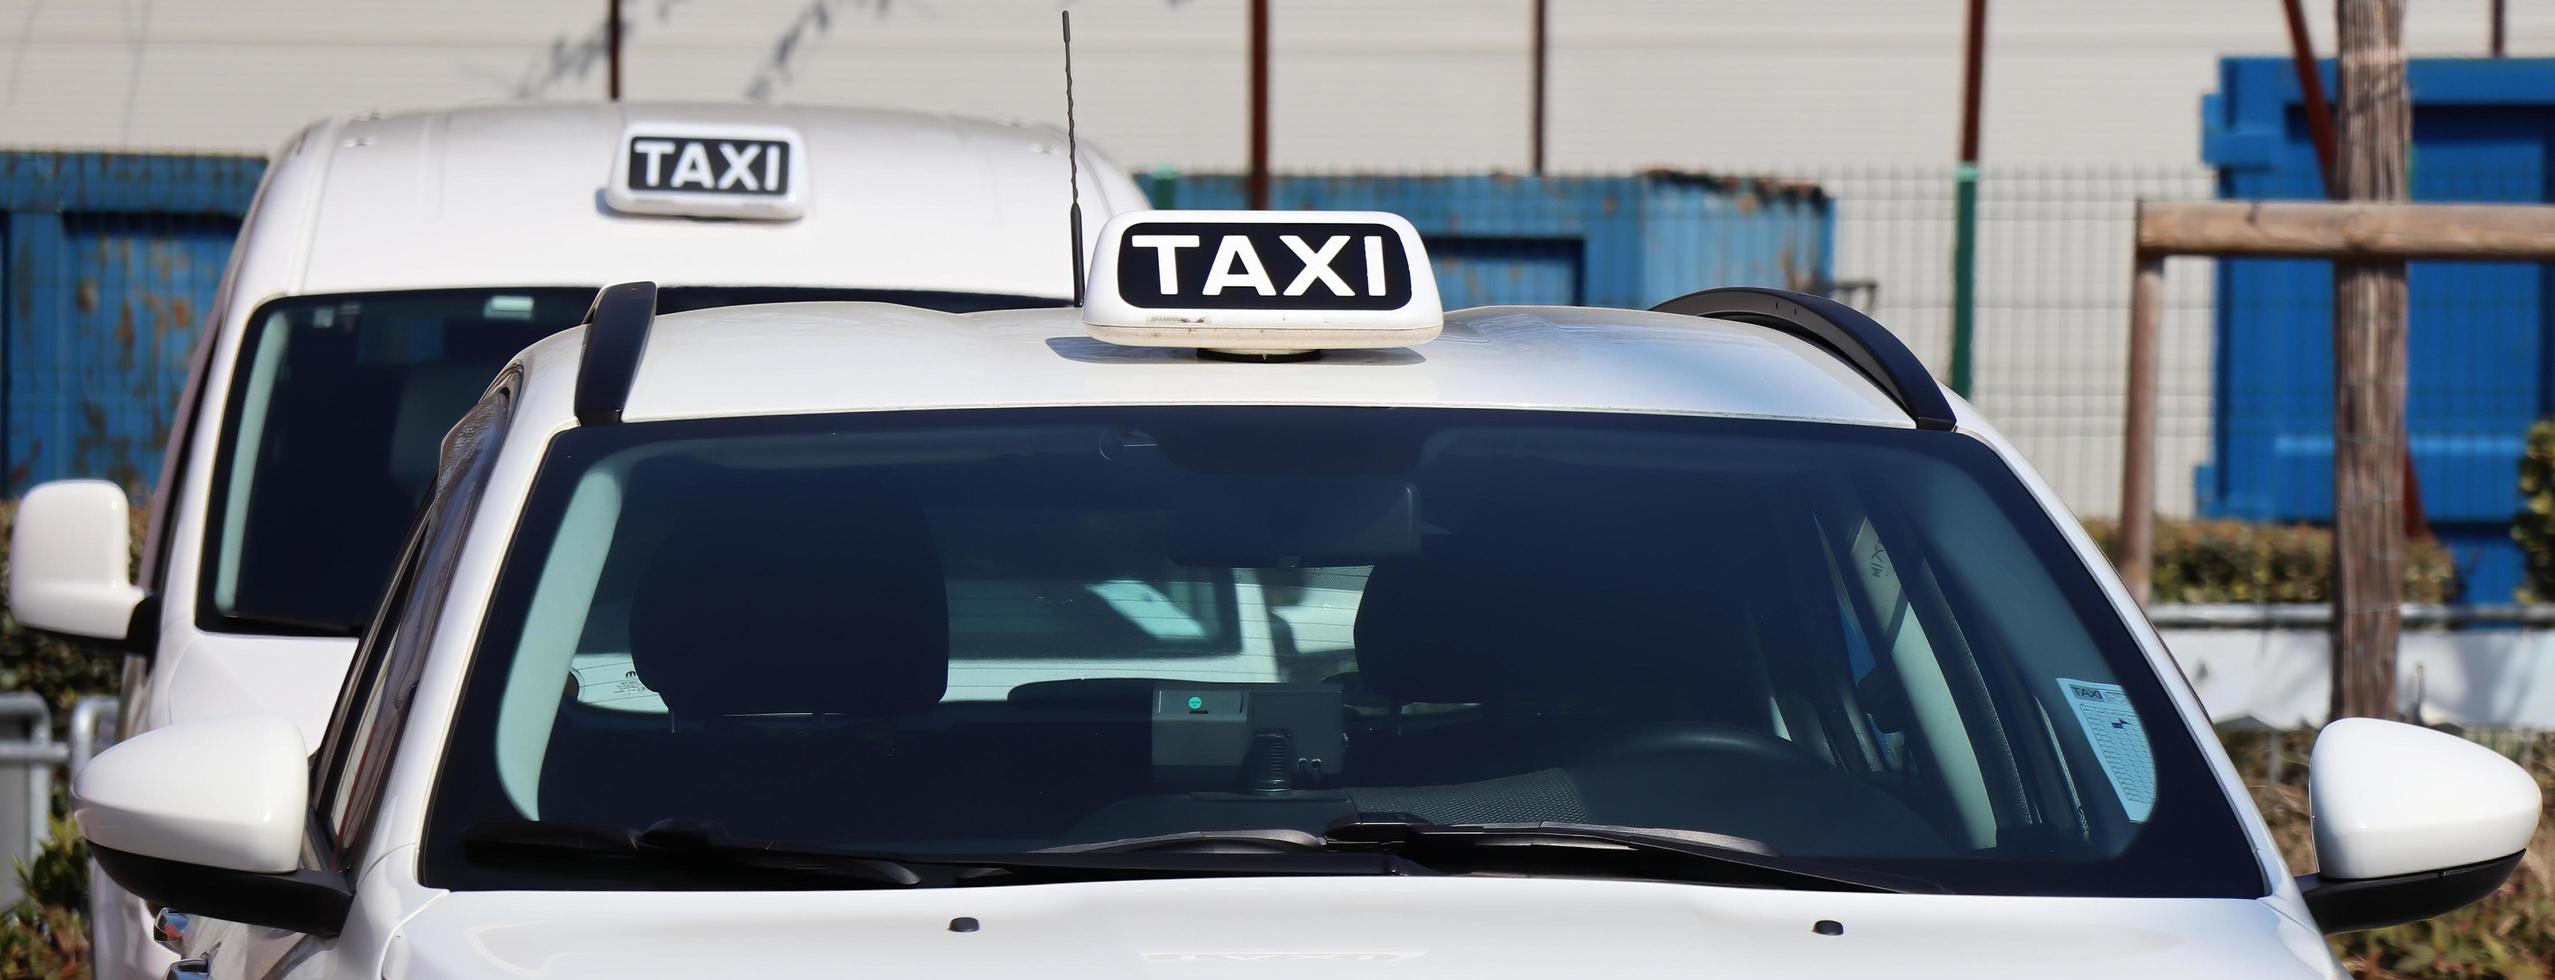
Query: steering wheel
1671	739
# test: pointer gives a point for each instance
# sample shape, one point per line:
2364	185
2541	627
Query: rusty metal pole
1973	77
2501	25
1965	203
2311	91
1259	105
612	49
2374	139
1535	164
2134	554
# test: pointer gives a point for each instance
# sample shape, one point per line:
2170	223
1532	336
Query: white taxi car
392	264
1712	637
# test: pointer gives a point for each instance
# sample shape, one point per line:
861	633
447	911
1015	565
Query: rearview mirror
208	816
69	560
2410	823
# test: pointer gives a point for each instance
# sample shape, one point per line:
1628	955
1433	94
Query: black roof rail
616	332
1860	340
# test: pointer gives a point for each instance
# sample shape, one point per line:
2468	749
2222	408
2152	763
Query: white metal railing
27	744
2246	615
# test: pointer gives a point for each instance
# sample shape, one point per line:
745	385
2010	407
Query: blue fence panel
108	267
1630	241
2479	347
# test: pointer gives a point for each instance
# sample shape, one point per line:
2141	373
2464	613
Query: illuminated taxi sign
707	170
1262	282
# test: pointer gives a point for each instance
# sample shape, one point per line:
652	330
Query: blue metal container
108	265
1629	241
2483	131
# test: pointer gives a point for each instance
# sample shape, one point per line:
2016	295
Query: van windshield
336	416
999	632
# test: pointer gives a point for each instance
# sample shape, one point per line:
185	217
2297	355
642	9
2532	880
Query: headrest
1534	625
834	610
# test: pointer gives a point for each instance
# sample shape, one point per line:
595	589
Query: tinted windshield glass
1005	631
338	409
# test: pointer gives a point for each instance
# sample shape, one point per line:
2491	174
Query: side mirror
2410	823
208	816
69	556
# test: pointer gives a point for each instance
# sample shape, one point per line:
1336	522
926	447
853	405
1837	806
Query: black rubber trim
1860	340
306	901
2350	905
616	334
142	629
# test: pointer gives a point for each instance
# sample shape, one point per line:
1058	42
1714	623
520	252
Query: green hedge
2233	561
2534	527
46	934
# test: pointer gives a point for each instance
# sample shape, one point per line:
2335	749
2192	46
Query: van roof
512	195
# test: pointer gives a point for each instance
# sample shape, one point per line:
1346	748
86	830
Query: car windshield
336	416
1009	631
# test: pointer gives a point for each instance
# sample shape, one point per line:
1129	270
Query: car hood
1330	927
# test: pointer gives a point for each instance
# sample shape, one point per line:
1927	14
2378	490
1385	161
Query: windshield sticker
609	680
2112	728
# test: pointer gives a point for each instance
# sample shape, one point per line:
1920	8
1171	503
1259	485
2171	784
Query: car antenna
1073	158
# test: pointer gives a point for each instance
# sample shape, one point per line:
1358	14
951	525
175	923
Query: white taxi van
391	265
1711	637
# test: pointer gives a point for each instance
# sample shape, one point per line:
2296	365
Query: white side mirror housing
2410	822
227	793
69	564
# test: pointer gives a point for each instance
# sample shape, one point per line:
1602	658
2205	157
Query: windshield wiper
688	848
1264	841
700	850
1628	852
1636	852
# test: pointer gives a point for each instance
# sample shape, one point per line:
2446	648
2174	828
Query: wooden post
2358	237
2317	230
2319	113
2135	551
2374	135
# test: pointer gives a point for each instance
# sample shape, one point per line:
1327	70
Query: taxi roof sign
1262	282
695	169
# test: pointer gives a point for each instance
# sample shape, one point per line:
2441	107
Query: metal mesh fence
2053	274
2245	399
2052	306
2250	439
